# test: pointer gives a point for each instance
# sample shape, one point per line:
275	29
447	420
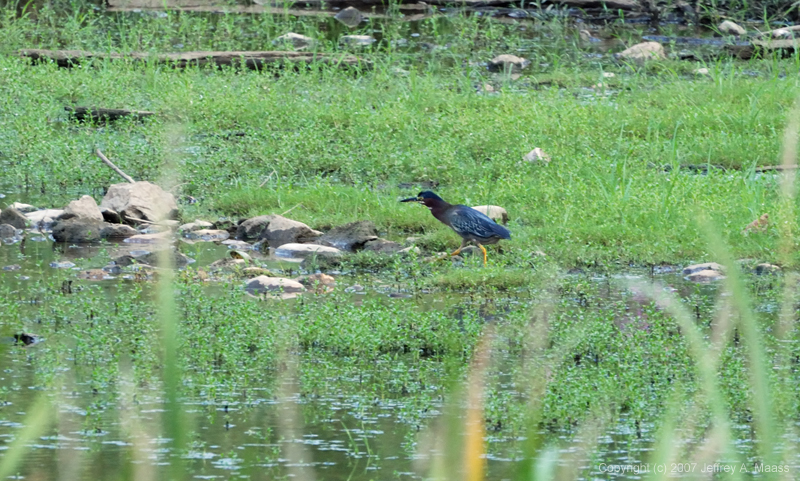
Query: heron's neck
439	209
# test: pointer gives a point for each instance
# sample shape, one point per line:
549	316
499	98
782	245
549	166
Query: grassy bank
627	181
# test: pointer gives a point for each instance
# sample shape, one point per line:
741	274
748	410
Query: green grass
568	354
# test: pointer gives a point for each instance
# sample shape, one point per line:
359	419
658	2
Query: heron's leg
458	251
484	253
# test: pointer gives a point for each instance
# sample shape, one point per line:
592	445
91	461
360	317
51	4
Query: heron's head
426	197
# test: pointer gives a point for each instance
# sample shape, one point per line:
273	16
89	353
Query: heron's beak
411	199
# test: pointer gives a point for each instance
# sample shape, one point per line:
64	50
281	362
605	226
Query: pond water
328	430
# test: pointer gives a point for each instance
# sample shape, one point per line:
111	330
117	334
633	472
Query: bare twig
293	208
141	220
116	169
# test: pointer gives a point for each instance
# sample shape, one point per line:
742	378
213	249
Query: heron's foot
484	254
457	252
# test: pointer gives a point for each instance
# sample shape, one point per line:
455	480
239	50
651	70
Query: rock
320	283
94	275
782	33
537	155
176	258
758	225
382	246
84	208
707	275
43	218
236	244
265	284
356	40
117	231
25	339
642	52
140	200
608	75
252	228
227	263
13	217
494	212
730	28
196	225
297	41
470	251
23	208
710	266
302	251
111	216
78	230
208	235
62	265
702	72
350	237
507	63
7	231
587	36
350	17
155	238
281	230
765	268
257	271
409	250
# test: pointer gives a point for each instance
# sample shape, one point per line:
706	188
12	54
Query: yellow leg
458	251
484	253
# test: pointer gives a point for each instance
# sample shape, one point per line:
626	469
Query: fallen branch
251	60
93	113
116	169
769	168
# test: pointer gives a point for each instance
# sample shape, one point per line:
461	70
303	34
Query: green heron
471	225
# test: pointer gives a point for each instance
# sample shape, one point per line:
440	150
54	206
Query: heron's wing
468	221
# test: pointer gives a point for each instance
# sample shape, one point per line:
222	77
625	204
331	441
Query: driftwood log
251	60
93	113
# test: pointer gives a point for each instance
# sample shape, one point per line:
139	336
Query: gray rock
24	208
350	237
196	225
85	208
43	218
707	275
78	230
713	266
537	155
13	217
642	52
252	228
281	230
350	17
111	216
302	251
266	284
507	63
296	40
176	258
494	212
208	235
154	238
117	231
383	246
140	200
357	40
7	231
730	28
761	269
